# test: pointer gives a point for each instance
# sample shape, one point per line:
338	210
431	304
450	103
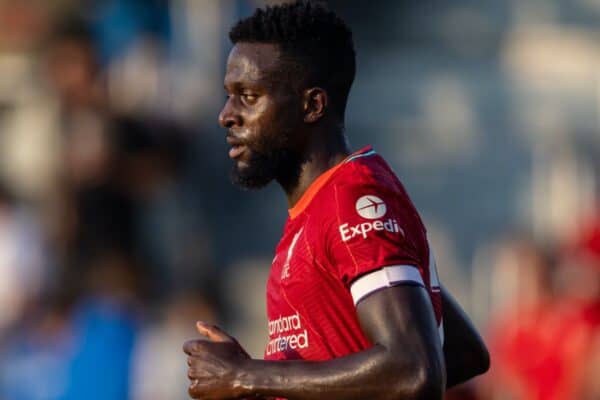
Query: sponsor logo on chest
286	333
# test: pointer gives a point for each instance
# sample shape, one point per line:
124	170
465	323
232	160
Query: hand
214	364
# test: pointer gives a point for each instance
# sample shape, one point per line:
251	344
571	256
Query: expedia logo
369	207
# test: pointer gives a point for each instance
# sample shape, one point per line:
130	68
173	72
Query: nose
229	117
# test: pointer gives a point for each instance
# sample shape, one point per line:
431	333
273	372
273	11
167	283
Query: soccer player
353	298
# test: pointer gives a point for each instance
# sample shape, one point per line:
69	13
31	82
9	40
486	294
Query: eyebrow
236	85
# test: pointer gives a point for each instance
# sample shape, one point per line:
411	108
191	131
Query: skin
406	360
464	351
262	104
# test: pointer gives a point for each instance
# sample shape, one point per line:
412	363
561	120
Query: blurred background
119	227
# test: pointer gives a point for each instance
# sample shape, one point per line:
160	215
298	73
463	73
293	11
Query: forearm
376	373
405	362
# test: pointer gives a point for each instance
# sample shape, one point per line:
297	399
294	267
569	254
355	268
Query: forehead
252	62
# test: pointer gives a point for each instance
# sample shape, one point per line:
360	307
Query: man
354	303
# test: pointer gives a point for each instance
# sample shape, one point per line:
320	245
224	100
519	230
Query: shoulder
364	176
366	190
364	182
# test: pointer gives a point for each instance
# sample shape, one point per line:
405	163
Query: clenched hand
214	364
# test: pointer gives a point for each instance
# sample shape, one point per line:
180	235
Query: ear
315	104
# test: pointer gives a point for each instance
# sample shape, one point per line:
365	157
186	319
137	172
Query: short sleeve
371	226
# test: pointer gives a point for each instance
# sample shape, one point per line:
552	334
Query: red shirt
354	219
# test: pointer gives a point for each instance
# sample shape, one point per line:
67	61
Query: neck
322	153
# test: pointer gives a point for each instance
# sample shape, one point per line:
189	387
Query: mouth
237	147
236	151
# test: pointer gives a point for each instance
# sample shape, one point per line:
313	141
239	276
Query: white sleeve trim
384	277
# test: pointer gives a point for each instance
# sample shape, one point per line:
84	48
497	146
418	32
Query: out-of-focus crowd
544	332
101	263
106	258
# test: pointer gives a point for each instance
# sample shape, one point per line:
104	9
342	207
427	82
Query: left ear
315	104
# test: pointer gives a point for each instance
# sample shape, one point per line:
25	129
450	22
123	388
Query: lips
236	151
237	146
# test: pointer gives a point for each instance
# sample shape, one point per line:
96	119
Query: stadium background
119	227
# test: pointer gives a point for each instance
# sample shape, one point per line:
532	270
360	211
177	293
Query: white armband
385	277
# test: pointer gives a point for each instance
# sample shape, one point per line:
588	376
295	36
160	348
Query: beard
281	164
270	159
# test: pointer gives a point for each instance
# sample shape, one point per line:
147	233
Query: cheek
258	116
271	124
265	124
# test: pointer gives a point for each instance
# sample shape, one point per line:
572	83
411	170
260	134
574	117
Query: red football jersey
354	231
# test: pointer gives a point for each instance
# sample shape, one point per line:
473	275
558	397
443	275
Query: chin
258	169
249	178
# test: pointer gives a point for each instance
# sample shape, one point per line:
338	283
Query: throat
289	178
309	172
326	148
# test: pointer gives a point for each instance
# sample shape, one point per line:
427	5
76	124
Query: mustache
235	140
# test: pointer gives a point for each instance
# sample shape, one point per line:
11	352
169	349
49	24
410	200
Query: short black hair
317	42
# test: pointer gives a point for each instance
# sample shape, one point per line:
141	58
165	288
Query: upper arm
401	319
400	316
396	313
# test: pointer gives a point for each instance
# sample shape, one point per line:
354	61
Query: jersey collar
322	179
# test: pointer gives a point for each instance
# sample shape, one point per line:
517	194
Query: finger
192	389
192	347
213	333
189	347
195	374
196	390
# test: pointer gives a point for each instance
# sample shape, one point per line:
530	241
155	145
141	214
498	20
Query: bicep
401	318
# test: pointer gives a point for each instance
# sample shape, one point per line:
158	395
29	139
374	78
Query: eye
249	98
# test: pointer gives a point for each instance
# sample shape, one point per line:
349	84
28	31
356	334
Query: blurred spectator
540	344
578	278
589	388
105	328
73	66
578	282
520	348
92	211
168	239
119	24
121	174
29	139
23	269
42	347
158	352
76	350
